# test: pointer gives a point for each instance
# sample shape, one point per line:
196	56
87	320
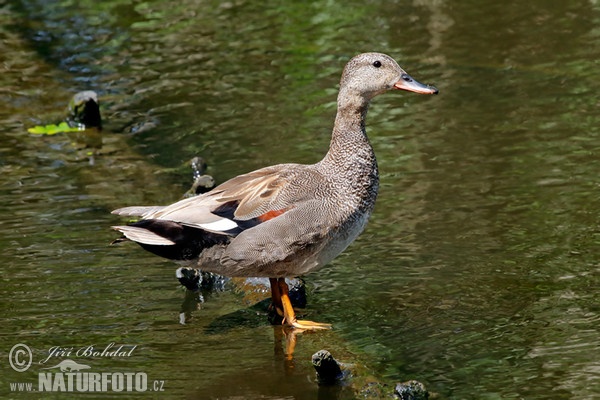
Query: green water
478	274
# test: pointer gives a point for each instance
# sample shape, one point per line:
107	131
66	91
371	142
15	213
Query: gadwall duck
288	219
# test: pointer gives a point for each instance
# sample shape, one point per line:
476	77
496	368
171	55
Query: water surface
478	274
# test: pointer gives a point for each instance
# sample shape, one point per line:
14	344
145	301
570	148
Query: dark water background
479	273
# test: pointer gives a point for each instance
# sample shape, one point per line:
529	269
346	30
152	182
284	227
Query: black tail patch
189	242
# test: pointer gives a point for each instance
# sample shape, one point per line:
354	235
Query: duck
284	220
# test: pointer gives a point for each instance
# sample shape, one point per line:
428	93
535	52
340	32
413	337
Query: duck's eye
377	64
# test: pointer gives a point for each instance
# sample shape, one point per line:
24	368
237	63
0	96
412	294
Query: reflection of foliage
76	35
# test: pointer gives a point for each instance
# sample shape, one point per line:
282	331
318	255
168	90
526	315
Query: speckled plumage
287	219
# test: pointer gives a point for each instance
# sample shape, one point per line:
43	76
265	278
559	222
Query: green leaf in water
53	129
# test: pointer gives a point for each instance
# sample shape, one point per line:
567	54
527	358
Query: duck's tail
170	239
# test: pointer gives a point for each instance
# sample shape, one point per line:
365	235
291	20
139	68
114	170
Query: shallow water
478	274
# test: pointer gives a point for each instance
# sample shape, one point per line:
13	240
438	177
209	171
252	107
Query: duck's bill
406	82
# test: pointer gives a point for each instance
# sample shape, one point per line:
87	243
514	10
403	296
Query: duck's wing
235	205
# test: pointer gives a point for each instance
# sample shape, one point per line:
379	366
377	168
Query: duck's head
370	74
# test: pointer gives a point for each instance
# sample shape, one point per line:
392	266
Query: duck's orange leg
288	311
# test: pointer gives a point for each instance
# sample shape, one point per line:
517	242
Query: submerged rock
194	279
202	182
84	111
411	390
189	277
329	370
83	120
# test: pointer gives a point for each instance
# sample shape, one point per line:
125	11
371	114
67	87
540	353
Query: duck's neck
350	154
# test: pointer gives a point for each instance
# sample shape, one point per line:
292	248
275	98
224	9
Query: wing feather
143	235
254	194
137	211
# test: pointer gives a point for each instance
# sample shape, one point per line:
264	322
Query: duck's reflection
201	285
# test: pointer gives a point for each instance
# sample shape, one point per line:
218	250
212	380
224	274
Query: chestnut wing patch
271	214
